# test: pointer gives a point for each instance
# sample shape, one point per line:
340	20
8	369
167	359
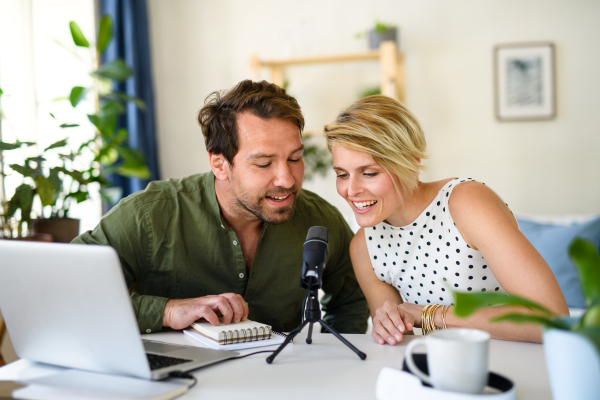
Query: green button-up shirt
173	243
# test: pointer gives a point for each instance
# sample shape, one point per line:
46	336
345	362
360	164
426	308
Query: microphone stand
312	315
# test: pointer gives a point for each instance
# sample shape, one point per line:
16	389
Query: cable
184	375
251	354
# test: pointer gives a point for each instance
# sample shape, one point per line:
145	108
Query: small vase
573	364
375	38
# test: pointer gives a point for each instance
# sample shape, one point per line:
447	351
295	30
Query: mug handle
410	362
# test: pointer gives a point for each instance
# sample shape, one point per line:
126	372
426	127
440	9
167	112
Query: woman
421	240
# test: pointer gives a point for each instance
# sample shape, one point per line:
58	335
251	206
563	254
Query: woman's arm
487	225
389	321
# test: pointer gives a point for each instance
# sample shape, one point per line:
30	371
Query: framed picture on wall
524	80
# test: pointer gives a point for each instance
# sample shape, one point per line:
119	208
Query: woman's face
366	186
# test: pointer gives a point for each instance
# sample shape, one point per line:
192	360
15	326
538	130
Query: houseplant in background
317	159
380	32
571	345
66	179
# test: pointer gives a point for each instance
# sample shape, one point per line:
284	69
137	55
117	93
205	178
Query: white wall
537	167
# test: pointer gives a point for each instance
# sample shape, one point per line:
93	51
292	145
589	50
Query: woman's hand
390	322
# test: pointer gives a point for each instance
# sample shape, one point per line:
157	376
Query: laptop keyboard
157	362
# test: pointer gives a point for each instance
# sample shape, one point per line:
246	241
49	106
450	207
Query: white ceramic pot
573	365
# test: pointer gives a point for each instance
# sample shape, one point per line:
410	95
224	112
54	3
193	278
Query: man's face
267	172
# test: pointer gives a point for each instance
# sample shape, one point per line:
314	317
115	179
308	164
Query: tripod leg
288	339
347	343
309	337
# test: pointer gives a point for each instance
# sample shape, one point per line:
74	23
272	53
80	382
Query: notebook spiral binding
247	335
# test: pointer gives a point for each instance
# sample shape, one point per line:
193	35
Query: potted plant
46	183
571	345
381	32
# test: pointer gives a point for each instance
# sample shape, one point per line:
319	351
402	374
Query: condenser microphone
314	256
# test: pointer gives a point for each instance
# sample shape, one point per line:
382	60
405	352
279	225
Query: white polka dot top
417	258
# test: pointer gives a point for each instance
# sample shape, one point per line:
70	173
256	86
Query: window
35	71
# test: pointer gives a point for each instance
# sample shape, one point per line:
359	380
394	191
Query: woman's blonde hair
388	131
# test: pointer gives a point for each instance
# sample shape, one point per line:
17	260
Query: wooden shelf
391	60
371	55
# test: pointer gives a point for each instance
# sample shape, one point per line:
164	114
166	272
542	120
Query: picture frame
524	81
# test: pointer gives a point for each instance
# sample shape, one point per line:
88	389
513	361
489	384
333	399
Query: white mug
457	359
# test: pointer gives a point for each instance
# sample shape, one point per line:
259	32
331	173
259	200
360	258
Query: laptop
68	305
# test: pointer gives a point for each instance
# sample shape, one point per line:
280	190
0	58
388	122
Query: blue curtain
131	43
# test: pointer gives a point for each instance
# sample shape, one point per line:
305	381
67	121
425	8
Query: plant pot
573	364
375	38
63	230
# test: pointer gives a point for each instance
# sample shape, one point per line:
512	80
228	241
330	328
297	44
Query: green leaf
131	156
591	316
467	303
55	179
116	70
60	143
45	190
21	200
1	92
134	163
531	319
9	146
113	108
104	33
79	196
585	257
23	170
105	123
68	126
78	37
139	103
77	175
107	156
141	172
76	95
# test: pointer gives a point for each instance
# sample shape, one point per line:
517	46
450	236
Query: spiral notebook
245	331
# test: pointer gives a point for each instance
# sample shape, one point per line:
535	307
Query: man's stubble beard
262	213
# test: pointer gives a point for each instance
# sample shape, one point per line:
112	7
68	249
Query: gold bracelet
424	319
444	311
428	318
431	317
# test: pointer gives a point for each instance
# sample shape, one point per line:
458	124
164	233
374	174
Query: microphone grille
318	232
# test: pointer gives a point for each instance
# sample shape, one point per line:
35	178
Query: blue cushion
552	242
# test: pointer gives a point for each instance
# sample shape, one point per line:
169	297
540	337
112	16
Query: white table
327	369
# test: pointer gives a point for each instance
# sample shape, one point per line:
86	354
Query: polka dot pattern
431	256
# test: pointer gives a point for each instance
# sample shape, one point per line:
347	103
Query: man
230	241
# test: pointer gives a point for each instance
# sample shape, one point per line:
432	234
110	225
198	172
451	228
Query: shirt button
241	275
235	242
148	330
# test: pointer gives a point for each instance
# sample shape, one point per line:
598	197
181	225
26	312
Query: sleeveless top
427	258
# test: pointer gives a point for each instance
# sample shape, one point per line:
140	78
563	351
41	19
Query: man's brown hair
218	116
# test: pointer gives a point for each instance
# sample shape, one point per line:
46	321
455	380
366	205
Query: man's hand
179	314
390	322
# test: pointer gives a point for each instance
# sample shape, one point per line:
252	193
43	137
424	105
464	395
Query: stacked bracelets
428	317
